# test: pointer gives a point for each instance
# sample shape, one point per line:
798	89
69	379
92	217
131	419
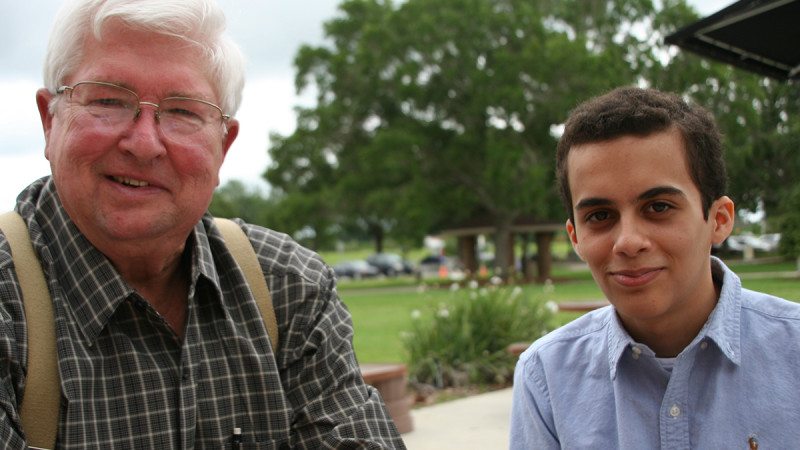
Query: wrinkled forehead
135	57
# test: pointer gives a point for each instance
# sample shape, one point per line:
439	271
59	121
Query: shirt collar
724	324
618	341
722	327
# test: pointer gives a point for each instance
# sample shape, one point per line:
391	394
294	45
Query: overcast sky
269	32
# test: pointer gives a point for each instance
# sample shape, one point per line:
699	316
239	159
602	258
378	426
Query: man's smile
635	277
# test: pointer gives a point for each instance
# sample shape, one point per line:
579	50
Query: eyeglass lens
113	106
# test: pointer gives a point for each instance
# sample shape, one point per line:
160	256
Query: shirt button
703	345
636	352
675	411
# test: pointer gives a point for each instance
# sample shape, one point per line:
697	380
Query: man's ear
43	98
573	237
722	214
232	130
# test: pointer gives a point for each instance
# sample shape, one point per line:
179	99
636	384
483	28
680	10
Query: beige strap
241	248
39	411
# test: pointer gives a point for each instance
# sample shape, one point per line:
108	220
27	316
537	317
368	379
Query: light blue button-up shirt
589	385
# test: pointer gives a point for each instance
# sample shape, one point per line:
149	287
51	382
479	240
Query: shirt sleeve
531	415
332	405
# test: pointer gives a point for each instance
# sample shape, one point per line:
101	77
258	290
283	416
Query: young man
684	357
160	341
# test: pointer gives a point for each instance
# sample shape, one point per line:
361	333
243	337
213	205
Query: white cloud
266	107
20	127
22	152
18	172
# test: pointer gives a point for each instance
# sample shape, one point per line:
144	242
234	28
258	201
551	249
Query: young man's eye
597	216
659	207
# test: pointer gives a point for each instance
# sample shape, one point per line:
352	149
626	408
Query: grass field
382	309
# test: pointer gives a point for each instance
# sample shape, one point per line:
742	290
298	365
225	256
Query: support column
544	254
467	253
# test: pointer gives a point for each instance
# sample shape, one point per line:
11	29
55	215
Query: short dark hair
640	112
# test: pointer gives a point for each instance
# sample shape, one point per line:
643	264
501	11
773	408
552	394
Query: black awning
762	36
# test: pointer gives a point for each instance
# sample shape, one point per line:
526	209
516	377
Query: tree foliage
432	111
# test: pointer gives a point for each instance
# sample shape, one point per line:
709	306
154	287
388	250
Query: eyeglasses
112	106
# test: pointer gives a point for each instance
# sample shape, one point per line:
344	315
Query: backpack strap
241	248
42	384
39	409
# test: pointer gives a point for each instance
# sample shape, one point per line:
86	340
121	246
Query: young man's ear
722	214
573	238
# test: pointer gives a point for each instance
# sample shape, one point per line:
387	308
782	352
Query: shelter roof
761	36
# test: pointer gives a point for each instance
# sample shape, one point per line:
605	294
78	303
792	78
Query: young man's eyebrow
660	190
646	195
592	202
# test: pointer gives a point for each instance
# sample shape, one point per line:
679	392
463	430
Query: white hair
199	22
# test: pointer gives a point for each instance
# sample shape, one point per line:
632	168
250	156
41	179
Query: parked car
356	269
390	264
440	266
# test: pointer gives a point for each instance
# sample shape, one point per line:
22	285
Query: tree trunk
504	249
467	253
378	235
544	255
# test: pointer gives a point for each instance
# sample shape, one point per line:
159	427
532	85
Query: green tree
453	97
235	199
431	111
789	227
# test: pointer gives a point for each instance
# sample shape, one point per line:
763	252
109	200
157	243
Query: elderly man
159	340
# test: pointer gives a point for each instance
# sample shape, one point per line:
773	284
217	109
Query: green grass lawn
382	309
382	314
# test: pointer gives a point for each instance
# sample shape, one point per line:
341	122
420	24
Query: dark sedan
356	269
390	264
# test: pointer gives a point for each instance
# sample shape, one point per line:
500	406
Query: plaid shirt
128	382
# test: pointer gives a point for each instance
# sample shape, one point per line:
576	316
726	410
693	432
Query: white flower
416	314
473	284
454	287
444	313
496	281
516	292
549	287
551	306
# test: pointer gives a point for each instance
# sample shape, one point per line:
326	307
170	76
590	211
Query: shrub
464	341
789	226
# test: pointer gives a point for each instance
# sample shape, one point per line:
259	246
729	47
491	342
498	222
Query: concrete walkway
475	422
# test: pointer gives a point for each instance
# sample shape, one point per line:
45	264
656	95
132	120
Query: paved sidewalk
475	422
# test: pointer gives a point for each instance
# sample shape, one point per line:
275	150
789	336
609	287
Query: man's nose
632	237
143	137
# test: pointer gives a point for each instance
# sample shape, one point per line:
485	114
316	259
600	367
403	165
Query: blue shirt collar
723	326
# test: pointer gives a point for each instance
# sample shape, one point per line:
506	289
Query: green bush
789	226
463	341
